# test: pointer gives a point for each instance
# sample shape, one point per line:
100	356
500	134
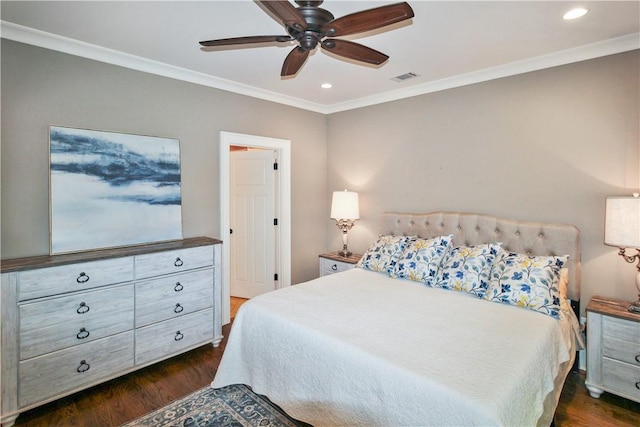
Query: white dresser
75	320
613	349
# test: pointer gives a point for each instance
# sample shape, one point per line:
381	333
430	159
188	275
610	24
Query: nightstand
332	262
613	349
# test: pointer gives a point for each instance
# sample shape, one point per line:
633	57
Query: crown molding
581	53
58	43
70	46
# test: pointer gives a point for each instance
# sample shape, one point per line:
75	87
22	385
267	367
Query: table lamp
345	210
622	230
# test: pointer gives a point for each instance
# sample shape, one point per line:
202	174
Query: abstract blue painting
112	189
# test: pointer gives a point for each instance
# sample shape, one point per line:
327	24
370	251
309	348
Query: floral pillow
421	259
527	281
467	268
383	255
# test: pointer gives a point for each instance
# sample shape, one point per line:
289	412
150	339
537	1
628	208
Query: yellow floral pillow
467	268
527	281
421	259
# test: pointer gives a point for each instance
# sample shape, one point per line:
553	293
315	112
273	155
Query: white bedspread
360	348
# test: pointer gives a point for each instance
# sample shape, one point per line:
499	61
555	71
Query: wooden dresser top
18	264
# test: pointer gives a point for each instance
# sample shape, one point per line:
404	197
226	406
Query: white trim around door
283	232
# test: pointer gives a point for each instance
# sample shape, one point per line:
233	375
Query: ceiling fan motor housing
315	18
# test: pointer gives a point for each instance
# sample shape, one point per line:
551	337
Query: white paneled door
252	221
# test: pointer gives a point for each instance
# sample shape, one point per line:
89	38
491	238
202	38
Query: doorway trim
283	203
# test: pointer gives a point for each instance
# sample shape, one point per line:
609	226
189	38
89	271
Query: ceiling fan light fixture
575	13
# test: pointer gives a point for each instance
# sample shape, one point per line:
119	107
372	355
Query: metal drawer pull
178	308
83	367
638	385
82	278
82	334
178	336
83	308
178	287
638	358
178	262
334	267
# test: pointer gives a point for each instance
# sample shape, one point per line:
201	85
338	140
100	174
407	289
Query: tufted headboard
525	237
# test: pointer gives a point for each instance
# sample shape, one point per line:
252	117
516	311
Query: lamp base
347	254
634	307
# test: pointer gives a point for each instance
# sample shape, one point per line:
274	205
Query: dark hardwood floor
128	397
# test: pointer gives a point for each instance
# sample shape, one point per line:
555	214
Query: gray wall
548	145
42	87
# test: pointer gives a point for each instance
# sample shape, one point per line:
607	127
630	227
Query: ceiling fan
310	26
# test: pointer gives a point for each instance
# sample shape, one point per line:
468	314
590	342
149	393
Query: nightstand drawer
329	266
334	262
625	351
613	327
621	377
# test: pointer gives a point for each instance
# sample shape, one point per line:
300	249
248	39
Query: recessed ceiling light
326	85
575	13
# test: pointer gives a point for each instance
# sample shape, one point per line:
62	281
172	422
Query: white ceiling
447	43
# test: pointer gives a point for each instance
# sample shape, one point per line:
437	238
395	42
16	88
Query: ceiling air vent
403	77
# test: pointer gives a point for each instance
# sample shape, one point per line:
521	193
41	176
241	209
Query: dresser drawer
173	336
74	277
73	368
156	264
622	377
55	323
173	296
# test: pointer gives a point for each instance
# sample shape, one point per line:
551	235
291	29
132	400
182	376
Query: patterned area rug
233	405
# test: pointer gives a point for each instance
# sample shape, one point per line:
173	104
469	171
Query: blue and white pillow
421	259
527	281
383	255
467	268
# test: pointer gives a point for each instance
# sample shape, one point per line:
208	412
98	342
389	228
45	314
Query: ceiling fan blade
294	61
285	12
368	20
246	40
354	51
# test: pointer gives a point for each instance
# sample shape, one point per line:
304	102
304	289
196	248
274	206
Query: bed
387	343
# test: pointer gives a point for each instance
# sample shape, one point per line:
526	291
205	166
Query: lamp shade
622	222
344	205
